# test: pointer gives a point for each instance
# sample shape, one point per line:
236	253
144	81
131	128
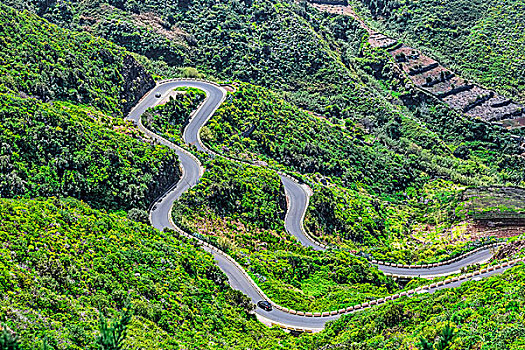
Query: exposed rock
509	250
136	83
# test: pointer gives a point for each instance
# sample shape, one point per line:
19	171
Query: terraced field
433	78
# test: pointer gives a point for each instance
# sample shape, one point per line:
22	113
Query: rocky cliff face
509	250
136	83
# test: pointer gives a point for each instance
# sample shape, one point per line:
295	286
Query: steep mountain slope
72	262
60	148
279	45
482	315
42	60
62	262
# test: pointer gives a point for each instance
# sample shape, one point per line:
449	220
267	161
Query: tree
8	339
425	344
447	334
112	335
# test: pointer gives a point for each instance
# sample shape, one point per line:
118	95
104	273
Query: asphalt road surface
297	198
455	267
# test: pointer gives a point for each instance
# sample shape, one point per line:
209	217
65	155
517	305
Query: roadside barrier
306	188
442	263
211	248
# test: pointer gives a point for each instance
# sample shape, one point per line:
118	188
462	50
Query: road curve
161	211
160	214
297	198
297	194
479	257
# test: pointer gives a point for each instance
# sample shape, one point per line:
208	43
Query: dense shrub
59	149
62	261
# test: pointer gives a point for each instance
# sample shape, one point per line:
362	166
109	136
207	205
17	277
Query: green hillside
379	183
281	45
53	143
481	39
395	175
482	315
72	262
39	59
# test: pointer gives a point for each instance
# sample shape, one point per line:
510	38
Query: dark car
263	304
158	94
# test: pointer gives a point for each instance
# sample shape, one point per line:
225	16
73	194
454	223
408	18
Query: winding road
297	197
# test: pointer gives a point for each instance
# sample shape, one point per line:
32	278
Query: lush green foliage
169	119
113	335
59	149
487	314
62	261
303	280
240	209
8	340
338	216
39	59
376	185
245	193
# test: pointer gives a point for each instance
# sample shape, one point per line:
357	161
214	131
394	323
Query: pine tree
112	335
8	340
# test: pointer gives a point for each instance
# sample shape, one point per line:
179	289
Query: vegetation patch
63	263
240	209
170	119
484	314
60	149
